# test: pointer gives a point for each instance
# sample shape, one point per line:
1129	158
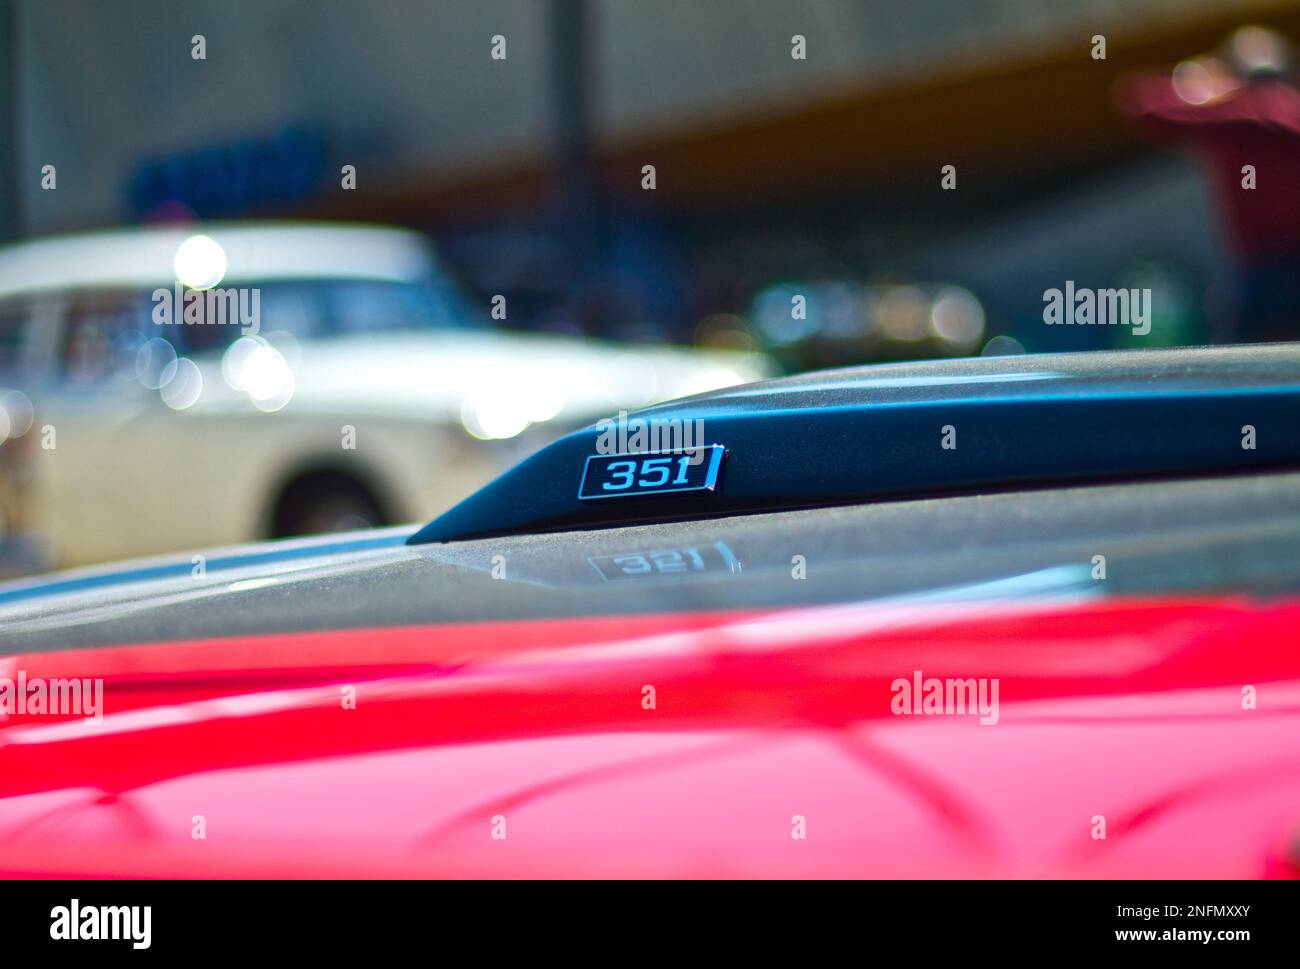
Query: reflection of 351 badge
631	475
667	562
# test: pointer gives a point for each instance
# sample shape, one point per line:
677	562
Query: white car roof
255	251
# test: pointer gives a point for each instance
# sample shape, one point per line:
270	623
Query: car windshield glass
316	309
365	306
13	322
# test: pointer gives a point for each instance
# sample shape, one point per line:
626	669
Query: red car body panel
1132	710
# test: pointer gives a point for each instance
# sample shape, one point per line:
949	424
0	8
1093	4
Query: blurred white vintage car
308	377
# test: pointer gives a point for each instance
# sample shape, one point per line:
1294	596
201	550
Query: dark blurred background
774	175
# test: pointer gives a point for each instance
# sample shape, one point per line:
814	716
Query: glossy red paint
1131	710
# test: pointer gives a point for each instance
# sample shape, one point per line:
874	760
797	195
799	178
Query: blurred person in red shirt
1238	109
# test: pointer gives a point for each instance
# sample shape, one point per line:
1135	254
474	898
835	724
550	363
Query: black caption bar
143	920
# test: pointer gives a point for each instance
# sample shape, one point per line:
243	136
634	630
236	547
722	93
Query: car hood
520	707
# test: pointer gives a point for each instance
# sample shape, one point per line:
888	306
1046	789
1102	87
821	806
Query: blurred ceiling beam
571	77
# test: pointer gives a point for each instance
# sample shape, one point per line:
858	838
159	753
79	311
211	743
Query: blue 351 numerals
628	475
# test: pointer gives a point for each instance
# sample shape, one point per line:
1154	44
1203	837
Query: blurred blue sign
231	178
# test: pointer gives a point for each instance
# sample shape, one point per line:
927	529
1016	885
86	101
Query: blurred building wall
408	93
